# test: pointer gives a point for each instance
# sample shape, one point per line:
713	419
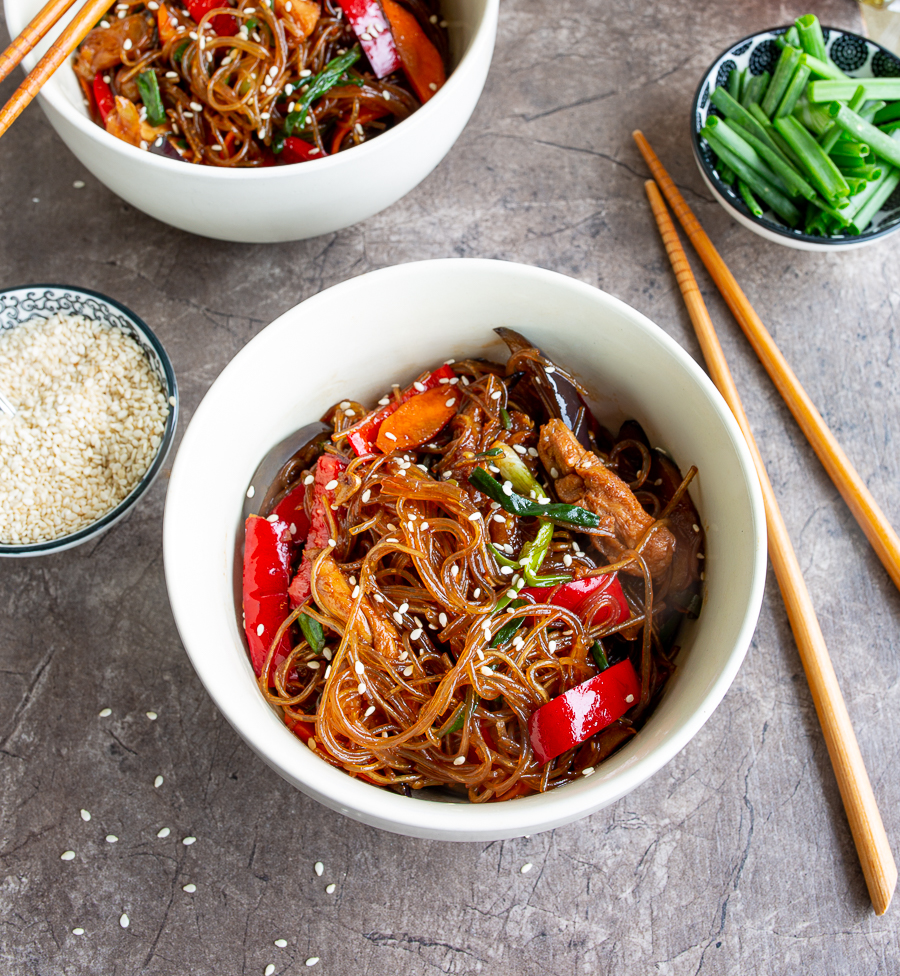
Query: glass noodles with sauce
474	585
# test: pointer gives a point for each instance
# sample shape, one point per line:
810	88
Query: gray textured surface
735	858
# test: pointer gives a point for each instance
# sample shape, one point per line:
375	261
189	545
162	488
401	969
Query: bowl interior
20	305
855	55
464	20
353	340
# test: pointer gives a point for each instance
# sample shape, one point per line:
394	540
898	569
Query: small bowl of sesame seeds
96	404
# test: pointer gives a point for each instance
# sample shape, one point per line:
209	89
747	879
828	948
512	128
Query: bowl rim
165	444
424	817
456	79
785	232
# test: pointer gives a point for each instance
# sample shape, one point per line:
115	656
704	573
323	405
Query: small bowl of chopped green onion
796	131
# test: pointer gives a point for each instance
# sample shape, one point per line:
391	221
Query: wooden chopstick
866	825
73	34
40	24
865	509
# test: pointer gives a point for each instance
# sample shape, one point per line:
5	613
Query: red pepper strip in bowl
600	596
103	95
371	27
583	711
362	435
299	151
291	511
265	590
328	468
421	60
222	24
418	420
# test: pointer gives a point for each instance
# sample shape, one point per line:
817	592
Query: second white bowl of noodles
277	203
353	341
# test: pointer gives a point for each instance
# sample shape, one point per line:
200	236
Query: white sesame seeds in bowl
96	407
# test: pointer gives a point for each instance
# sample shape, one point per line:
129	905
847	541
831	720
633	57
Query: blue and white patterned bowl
859	58
22	304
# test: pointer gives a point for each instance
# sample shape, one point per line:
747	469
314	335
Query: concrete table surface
735	858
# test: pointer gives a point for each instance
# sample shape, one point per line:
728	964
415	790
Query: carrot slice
417	420
421	60
167	29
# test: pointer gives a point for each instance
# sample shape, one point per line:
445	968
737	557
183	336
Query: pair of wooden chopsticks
73	34
866	825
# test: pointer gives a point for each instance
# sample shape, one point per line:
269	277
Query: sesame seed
124	920
526	867
450	403
500	518
493	469
433	19
507	487
152	716
78	931
272	518
384	401
173	75
282	943
251	491
454	570
359	667
67	855
398	617
486	670
700	555
331	485
588	771
163	833
567	560
327	672
496	394
415	634
330	889
85	816
128	45
332	543
313	665
312	960
259	630
305	73
629	698
349	412
695	527
424	526
188	841
432	86
475	516
459	760
366	495
408	672
390	436
443	23
442	619
477	592
112	839
292	528
419	386
158	782
356	592
480	652
309	479
532	452
319	868
658	482
361	688
506	570
554	473
189	888
265	115
369	711
188	115
269	969
104	713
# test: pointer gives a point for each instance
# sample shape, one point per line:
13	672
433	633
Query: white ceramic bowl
353	340
280	203
856	56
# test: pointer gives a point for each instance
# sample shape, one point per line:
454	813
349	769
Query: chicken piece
125	124
333	594
103	46
583	479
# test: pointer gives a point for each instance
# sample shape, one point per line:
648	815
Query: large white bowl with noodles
279	203
352	341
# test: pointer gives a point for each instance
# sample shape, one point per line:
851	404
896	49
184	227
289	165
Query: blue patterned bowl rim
889	221
22	303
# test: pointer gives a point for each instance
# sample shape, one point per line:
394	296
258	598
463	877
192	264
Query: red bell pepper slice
421	60
371	27
222	24
299	151
583	711
292	512
267	554
104	97
601	597
328	467
363	434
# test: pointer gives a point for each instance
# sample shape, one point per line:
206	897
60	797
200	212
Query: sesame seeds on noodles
90	417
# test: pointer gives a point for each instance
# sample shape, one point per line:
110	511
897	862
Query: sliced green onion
312	631
525	508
